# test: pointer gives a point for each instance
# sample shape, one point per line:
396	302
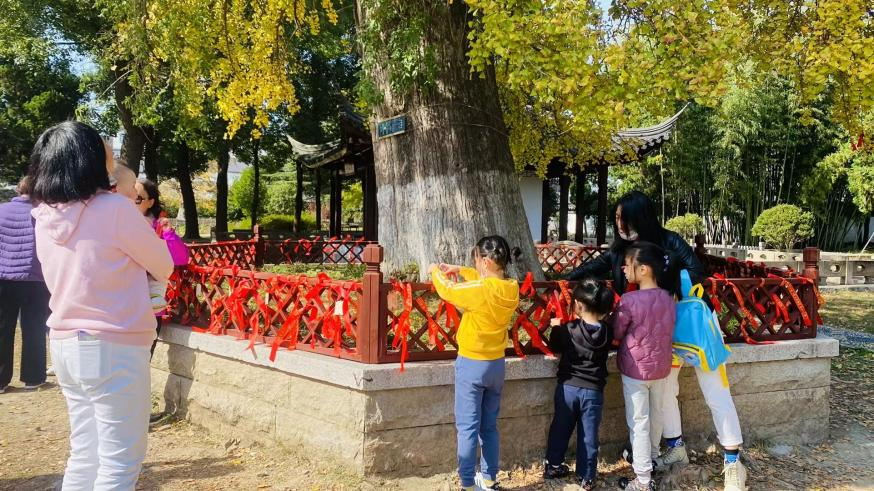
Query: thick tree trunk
135	138
448	180
221	186
150	159
256	195
183	175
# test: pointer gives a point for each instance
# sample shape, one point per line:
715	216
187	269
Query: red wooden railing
371	321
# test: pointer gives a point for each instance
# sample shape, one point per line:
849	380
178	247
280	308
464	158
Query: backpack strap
685	283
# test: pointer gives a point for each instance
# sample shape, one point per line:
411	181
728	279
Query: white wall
532	201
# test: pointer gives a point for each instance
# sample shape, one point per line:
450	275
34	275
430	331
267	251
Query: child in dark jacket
582	347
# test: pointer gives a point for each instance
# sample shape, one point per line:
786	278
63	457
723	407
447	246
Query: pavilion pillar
579	205
332	206
338	206
601	232
371	209
545	212
564	184
318	194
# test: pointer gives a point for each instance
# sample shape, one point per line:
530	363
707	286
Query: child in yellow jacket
489	301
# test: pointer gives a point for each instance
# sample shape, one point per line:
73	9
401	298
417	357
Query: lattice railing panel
557	259
224	254
317	251
292	312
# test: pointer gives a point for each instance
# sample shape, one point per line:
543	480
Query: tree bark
256	195
298	197
150	160
449	180
183	175
135	138
221	186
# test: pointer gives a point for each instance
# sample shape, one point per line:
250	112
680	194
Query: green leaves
784	226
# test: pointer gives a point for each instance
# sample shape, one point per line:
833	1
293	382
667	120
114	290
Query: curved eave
314	156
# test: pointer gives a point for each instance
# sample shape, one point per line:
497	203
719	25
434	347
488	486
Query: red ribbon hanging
401	324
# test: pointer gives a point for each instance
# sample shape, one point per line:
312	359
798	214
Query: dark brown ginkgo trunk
449	179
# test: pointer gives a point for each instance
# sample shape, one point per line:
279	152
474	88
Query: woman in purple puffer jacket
22	292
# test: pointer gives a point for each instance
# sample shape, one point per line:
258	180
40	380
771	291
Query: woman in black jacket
636	219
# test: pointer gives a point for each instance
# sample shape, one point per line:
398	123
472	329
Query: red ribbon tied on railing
747	316
805	317
401	324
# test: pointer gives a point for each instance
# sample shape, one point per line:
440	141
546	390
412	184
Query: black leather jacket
612	261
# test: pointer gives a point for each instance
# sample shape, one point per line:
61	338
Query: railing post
373	306
811	272
259	246
811	264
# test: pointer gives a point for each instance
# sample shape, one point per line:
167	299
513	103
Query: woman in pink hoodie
96	249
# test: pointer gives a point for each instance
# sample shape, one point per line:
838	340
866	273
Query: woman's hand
164	225
449	268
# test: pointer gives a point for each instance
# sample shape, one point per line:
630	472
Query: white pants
107	390
643	408
718	398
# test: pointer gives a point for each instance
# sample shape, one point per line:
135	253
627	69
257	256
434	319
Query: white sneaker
480	484
33	386
3	389
673	455
735	477
50	371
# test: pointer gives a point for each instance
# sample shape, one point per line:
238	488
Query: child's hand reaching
449	268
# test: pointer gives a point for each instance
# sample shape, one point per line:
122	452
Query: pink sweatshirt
94	257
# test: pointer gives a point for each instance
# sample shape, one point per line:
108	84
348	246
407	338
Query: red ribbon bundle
741	305
401	324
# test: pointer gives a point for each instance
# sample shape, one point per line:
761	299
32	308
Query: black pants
30	299
155	342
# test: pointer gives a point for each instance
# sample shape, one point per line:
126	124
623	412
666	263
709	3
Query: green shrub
285	223
171	206
783	226
335	271
688	225
206	208
280	197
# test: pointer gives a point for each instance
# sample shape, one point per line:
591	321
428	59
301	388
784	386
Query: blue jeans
478	386
575	406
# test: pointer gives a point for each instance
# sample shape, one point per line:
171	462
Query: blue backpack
697	336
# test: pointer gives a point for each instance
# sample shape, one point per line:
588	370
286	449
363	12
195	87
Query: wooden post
332	206
564	184
318	193
579	205
545	212
811	272
258	243
339	205
373	310
601	233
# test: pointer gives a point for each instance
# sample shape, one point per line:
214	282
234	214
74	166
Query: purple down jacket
18	260
644	326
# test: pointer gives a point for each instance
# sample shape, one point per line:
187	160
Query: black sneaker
587	484
555	471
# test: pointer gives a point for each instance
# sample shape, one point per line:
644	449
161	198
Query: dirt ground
33	450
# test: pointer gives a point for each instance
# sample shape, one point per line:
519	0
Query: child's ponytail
664	267
497	249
